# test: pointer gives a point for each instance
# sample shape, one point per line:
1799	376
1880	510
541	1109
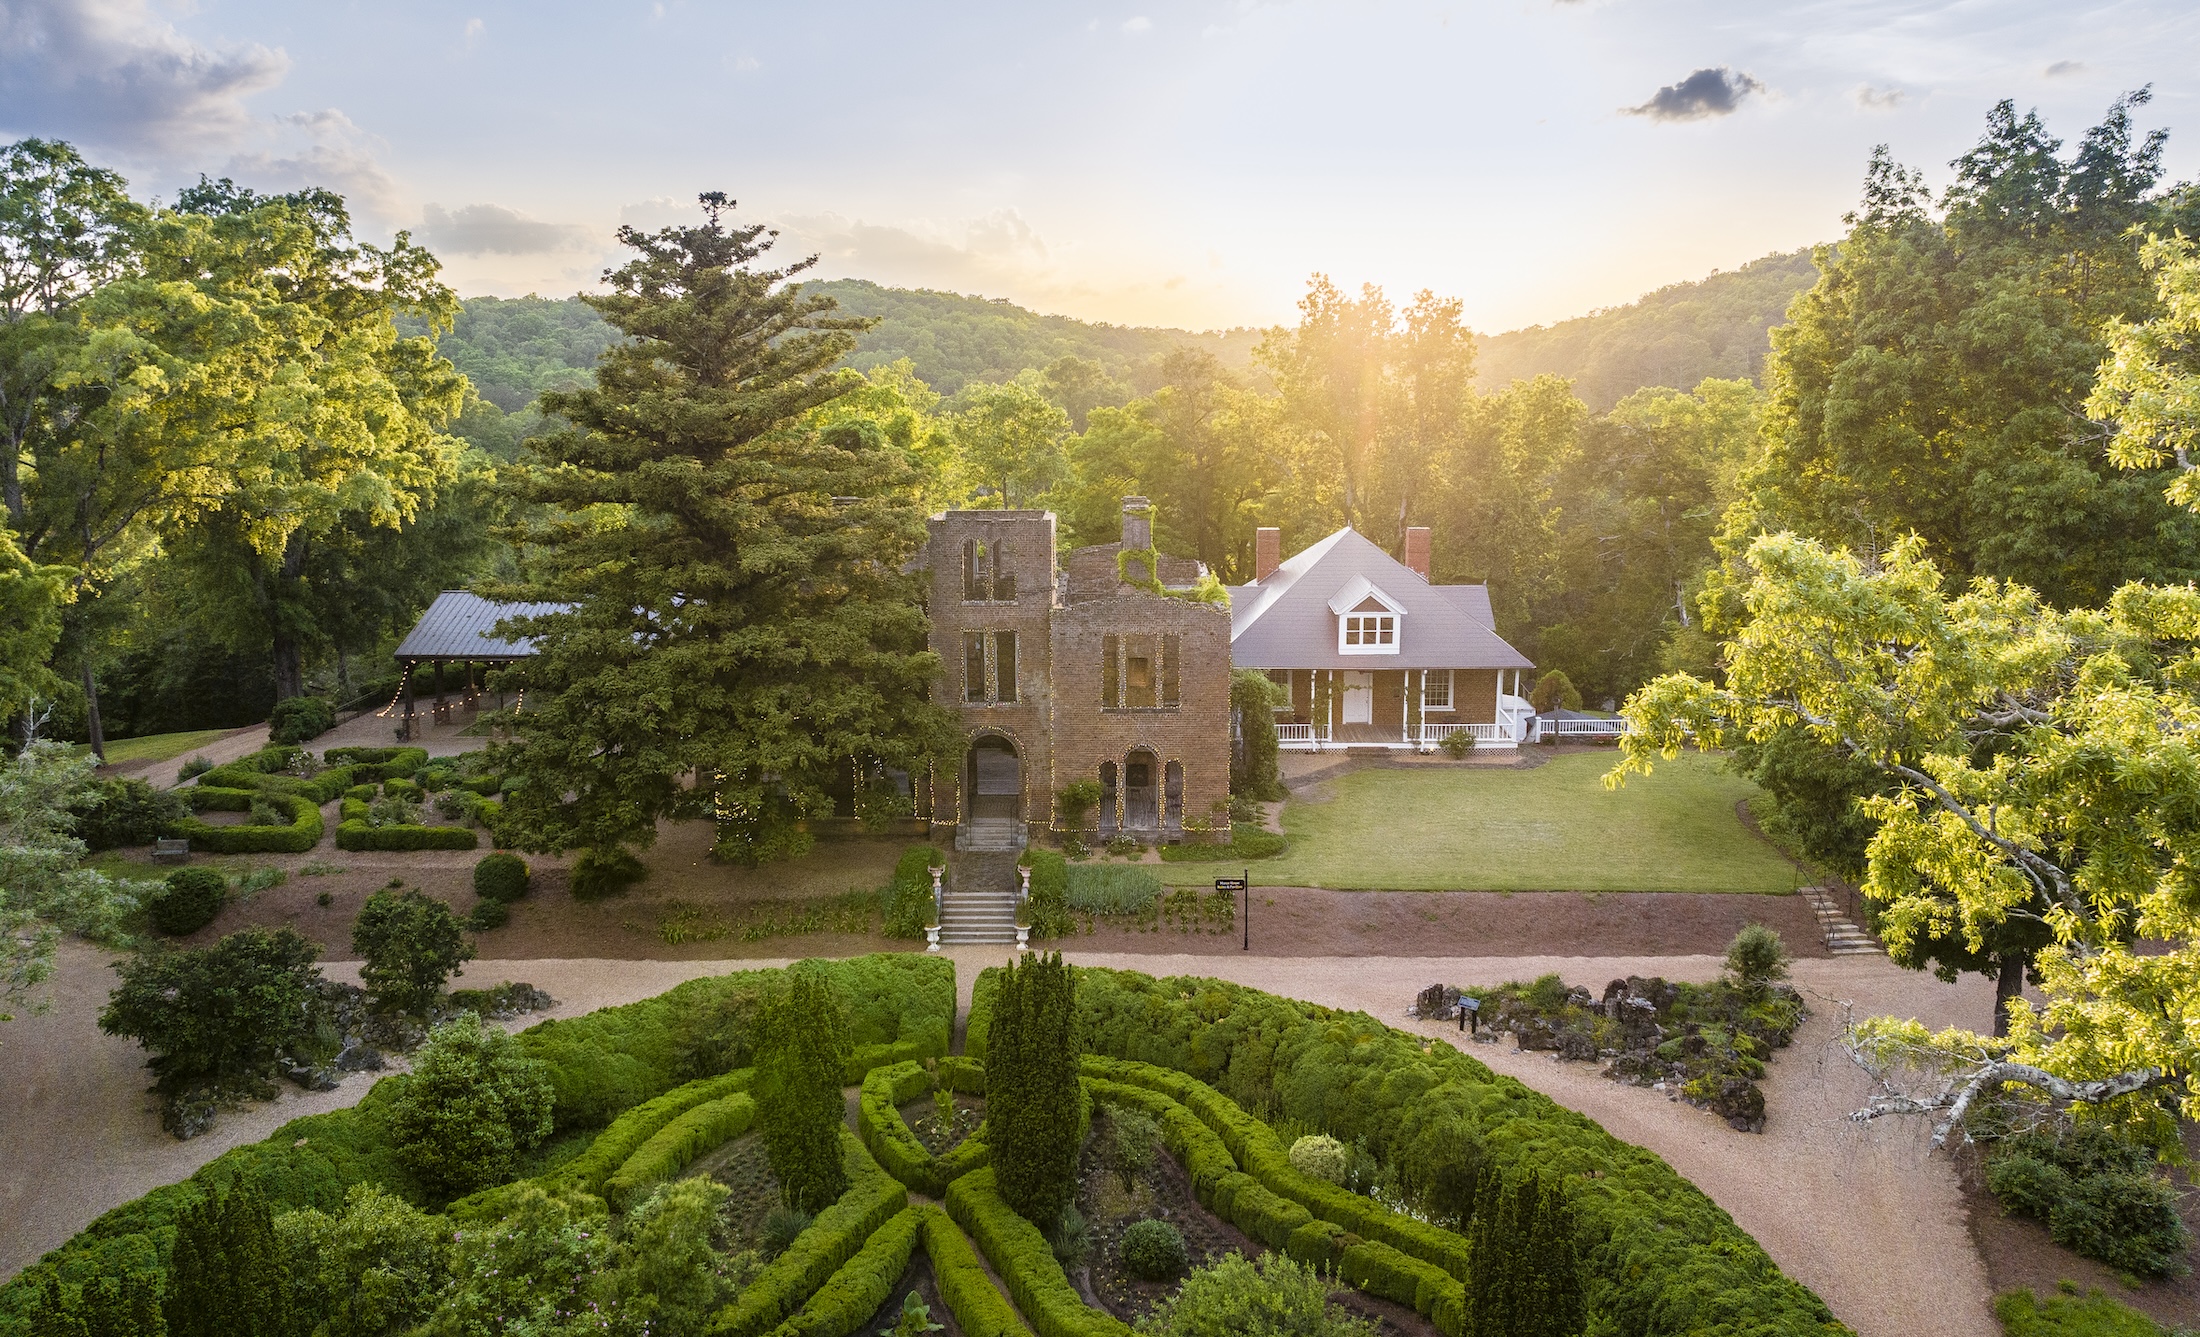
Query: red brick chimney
1267	552
1417	549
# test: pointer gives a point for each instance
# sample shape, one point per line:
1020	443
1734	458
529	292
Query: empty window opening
1111	678
1141	677
1172	651
1004	580
1004	665
974	666
1172	789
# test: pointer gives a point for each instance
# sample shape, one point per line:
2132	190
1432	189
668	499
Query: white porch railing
1308	737
1590	728
1434	734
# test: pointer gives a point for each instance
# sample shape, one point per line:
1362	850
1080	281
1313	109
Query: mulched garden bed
1165	1191
742	1166
939	1139
917	1277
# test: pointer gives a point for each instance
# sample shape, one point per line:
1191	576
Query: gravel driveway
1861	1215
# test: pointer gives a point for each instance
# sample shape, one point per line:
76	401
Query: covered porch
1413	710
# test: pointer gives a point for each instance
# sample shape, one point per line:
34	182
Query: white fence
1590	728
1309	737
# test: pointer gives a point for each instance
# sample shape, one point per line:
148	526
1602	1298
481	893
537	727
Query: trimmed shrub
964	1285
501	877
872	1199
488	915
1245	843
302	834
854	1293
672	1147
886	1134
1275	1295
188	900
1025	1262
300	718
1319	1156
358	834
600	873
1153	1250
113	813
376	764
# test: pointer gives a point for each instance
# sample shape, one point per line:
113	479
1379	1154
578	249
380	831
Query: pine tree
55	1314
1524	1277
226	1275
801	1066
197	1300
1034	1105
1558	1262
738	609
125	1306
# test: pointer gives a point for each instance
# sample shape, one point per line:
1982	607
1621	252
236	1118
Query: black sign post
1244	887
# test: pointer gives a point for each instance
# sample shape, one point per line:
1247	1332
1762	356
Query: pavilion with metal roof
459	628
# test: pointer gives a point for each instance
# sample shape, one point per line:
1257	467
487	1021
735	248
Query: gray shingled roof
458	626
1285	620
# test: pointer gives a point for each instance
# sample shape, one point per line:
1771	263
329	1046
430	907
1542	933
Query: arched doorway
993	789
1141	791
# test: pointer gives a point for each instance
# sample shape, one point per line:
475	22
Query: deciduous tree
409	945
219	1015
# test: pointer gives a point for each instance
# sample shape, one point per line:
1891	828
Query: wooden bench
167	850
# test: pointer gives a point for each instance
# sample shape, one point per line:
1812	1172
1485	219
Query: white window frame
1363	625
1451	690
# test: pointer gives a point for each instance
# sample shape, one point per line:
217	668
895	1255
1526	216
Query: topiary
188	900
501	877
1319	1156
1757	957
300	718
1153	1250
488	914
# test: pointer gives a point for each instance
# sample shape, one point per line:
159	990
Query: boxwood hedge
838	1233
302	832
1025	1262
600	1066
863	1283
887	1135
677	1143
358	834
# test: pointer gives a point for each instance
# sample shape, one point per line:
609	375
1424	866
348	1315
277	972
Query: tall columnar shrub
1524	1276
226	1273
798	1090
1255	772
409	945
1033	1104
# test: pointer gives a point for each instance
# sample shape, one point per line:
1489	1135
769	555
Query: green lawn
158	746
1554	828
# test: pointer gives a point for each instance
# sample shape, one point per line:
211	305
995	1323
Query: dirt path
1861	1215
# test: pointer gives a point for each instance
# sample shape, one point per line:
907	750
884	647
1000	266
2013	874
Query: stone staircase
990	833
1843	937
981	898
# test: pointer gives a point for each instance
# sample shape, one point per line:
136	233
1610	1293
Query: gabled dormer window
1369	622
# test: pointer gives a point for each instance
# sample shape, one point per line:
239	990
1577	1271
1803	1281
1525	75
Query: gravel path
1861	1215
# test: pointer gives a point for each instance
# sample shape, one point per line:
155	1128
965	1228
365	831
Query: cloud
492	229
1879	99
2063	67
1706	93
1137	25
109	72
320	148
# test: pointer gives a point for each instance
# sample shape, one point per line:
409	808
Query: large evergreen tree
1524	1274
740	626
800	1067
1034	1106
226	1275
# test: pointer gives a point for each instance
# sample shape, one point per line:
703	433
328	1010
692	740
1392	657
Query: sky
1188	165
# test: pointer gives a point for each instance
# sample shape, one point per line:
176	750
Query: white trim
1451	691
1383	627
1358	589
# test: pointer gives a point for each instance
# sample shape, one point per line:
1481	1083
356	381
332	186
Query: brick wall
1027	540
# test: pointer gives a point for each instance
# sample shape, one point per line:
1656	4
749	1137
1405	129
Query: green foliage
1074	802
514	348
2099	1195
409	945
670	1149
1523	1274
374	1268
501	877
836	1235
1034	1108
1133	1138
915	1319
125	1306
909	908
354	834
488	915
218	1015
1109	889
769	677
529	1271
1554	691
226	1271
1362	1080
2069	1314
299	719
376	764
597	873
188	900
117	812
666	1275
1022	1257
863	1284
1153	1250
1756	958
799	1069
887	1136
1046	911
1817	792
1676	336
1246	843
473	1101
1253	764
978	1306
302	833
1274	1297
1319	1156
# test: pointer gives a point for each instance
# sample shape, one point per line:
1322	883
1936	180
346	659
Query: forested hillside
1674	337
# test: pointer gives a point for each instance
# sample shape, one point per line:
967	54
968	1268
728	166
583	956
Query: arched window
977	575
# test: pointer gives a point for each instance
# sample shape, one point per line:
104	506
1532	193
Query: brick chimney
1137	522
1267	552
1417	549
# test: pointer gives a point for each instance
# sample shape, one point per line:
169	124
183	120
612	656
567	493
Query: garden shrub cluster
299	718
1047	908
188	900
1113	889
672	1147
300	832
2098	1194
598	1066
1025	1262
849	1298
116	812
1657	1255
501	877
836	1235
1246	843
887	1134
907	903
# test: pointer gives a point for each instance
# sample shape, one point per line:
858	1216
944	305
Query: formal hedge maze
1219	1069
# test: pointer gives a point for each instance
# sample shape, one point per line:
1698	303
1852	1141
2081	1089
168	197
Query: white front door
1359	698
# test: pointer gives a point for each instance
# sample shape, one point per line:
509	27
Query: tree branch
1958	1099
